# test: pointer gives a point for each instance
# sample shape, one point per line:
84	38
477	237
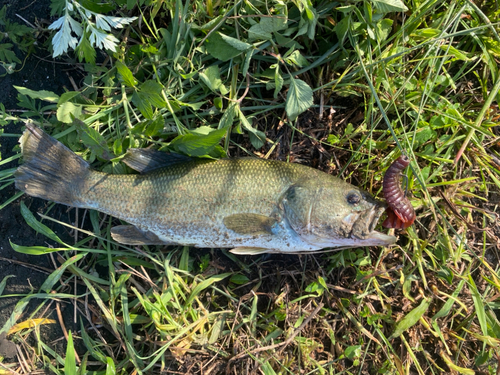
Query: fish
248	205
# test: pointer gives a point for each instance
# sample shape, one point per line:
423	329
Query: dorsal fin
145	160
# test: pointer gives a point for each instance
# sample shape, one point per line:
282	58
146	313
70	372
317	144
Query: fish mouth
364	227
381	238
376	213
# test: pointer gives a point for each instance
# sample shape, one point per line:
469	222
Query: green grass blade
70	360
411	318
37	226
479	306
4	283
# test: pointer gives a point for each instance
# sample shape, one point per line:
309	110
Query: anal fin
131	235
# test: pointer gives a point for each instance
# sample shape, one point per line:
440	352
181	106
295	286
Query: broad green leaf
67	111
411	318
239	279
147	97
48	96
257	138
298	99
194	106
267	25
246	64
312	16
93	139
209	25
70	360
383	29
352	352
236	43
6	54
316	287
278	82
153	91
37	226
199	142
154	127
67	96
296	58
142	104
341	28
84	50
125	74
387	6
285	42
225	48
230	113
211	78
423	135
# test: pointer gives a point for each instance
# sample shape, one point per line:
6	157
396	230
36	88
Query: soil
38	73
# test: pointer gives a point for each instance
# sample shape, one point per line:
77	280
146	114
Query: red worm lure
400	213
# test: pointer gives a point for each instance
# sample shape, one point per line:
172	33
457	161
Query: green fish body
248	205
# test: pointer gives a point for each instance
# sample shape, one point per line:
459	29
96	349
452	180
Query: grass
343	87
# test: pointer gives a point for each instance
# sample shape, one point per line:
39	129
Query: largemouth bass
248	205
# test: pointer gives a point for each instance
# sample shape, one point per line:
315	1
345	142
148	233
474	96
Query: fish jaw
357	230
363	225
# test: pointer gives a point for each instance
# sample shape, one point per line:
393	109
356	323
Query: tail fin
51	170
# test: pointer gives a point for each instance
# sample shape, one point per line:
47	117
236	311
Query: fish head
334	213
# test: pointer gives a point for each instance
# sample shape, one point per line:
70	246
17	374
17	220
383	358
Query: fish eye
353	197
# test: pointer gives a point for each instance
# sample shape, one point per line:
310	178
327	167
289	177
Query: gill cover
319	213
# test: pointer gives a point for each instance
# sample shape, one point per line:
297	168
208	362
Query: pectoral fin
130	235
252	224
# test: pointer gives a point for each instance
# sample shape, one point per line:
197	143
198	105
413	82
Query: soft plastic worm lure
400	212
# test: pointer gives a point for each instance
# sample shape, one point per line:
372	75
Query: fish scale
200	187
250	205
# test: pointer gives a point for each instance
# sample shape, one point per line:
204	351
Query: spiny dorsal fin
145	160
249	223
